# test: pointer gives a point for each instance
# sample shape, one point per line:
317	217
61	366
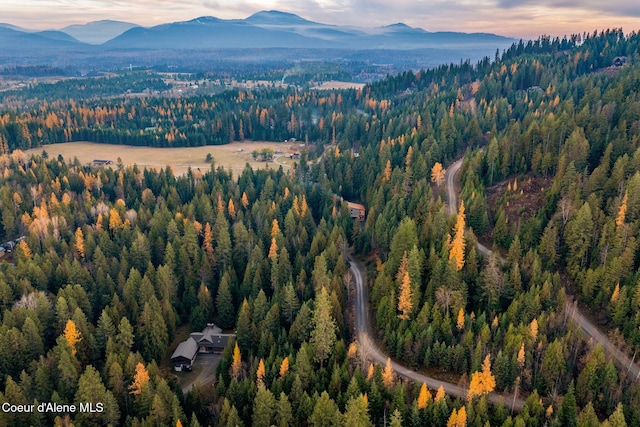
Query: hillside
401	318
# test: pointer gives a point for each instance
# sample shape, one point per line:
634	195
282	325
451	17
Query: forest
118	263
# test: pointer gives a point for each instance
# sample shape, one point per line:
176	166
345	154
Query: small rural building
210	340
100	162
619	61
357	210
294	155
185	354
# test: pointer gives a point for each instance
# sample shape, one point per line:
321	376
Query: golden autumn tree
178	423
72	335
388	376
616	293
273	250
453	418
521	356
404	300
260	372
352	351
115	222
534	329
284	367
236	365
462	418
79	244
140	379
437	174
231	208
460	322
407	159
482	382
370	371
424	397
208	243
457	245
386	175
622	211
275	228
24	247
440	394
244	200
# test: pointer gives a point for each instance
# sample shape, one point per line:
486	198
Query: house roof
356	206
186	349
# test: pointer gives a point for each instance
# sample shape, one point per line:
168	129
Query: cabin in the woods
619	61
102	162
210	340
357	210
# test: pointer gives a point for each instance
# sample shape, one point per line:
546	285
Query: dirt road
374	353
573	311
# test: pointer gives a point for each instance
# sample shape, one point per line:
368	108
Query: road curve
375	354
573	311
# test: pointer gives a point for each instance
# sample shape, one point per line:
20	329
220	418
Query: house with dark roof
210	340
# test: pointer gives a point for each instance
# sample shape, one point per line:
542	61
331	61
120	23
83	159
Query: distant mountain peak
276	17
399	25
204	20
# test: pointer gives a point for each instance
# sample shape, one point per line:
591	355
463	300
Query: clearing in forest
231	156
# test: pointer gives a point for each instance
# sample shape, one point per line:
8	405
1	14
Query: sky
514	18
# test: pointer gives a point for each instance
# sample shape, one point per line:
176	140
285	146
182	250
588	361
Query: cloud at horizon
516	18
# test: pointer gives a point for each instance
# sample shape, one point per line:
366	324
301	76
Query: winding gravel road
572	310
375	354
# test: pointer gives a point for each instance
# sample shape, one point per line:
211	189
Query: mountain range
266	29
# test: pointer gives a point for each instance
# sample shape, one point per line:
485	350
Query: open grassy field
231	156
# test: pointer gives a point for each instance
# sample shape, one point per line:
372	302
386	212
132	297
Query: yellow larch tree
260	372
386	175
284	367
236	365
244	200
286	192
273	250
437	174
72	335
460	322
453	419
178	423
352	352
388	376
371	371
404	300
26	251
534	329
275	228
231	208
424	397
462	418
521	355
616	293
79	244
440	394
208	243
407	159
140	379
115	222
622	211
457	245
482	382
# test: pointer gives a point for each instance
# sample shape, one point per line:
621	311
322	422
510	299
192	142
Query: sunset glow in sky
516	18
